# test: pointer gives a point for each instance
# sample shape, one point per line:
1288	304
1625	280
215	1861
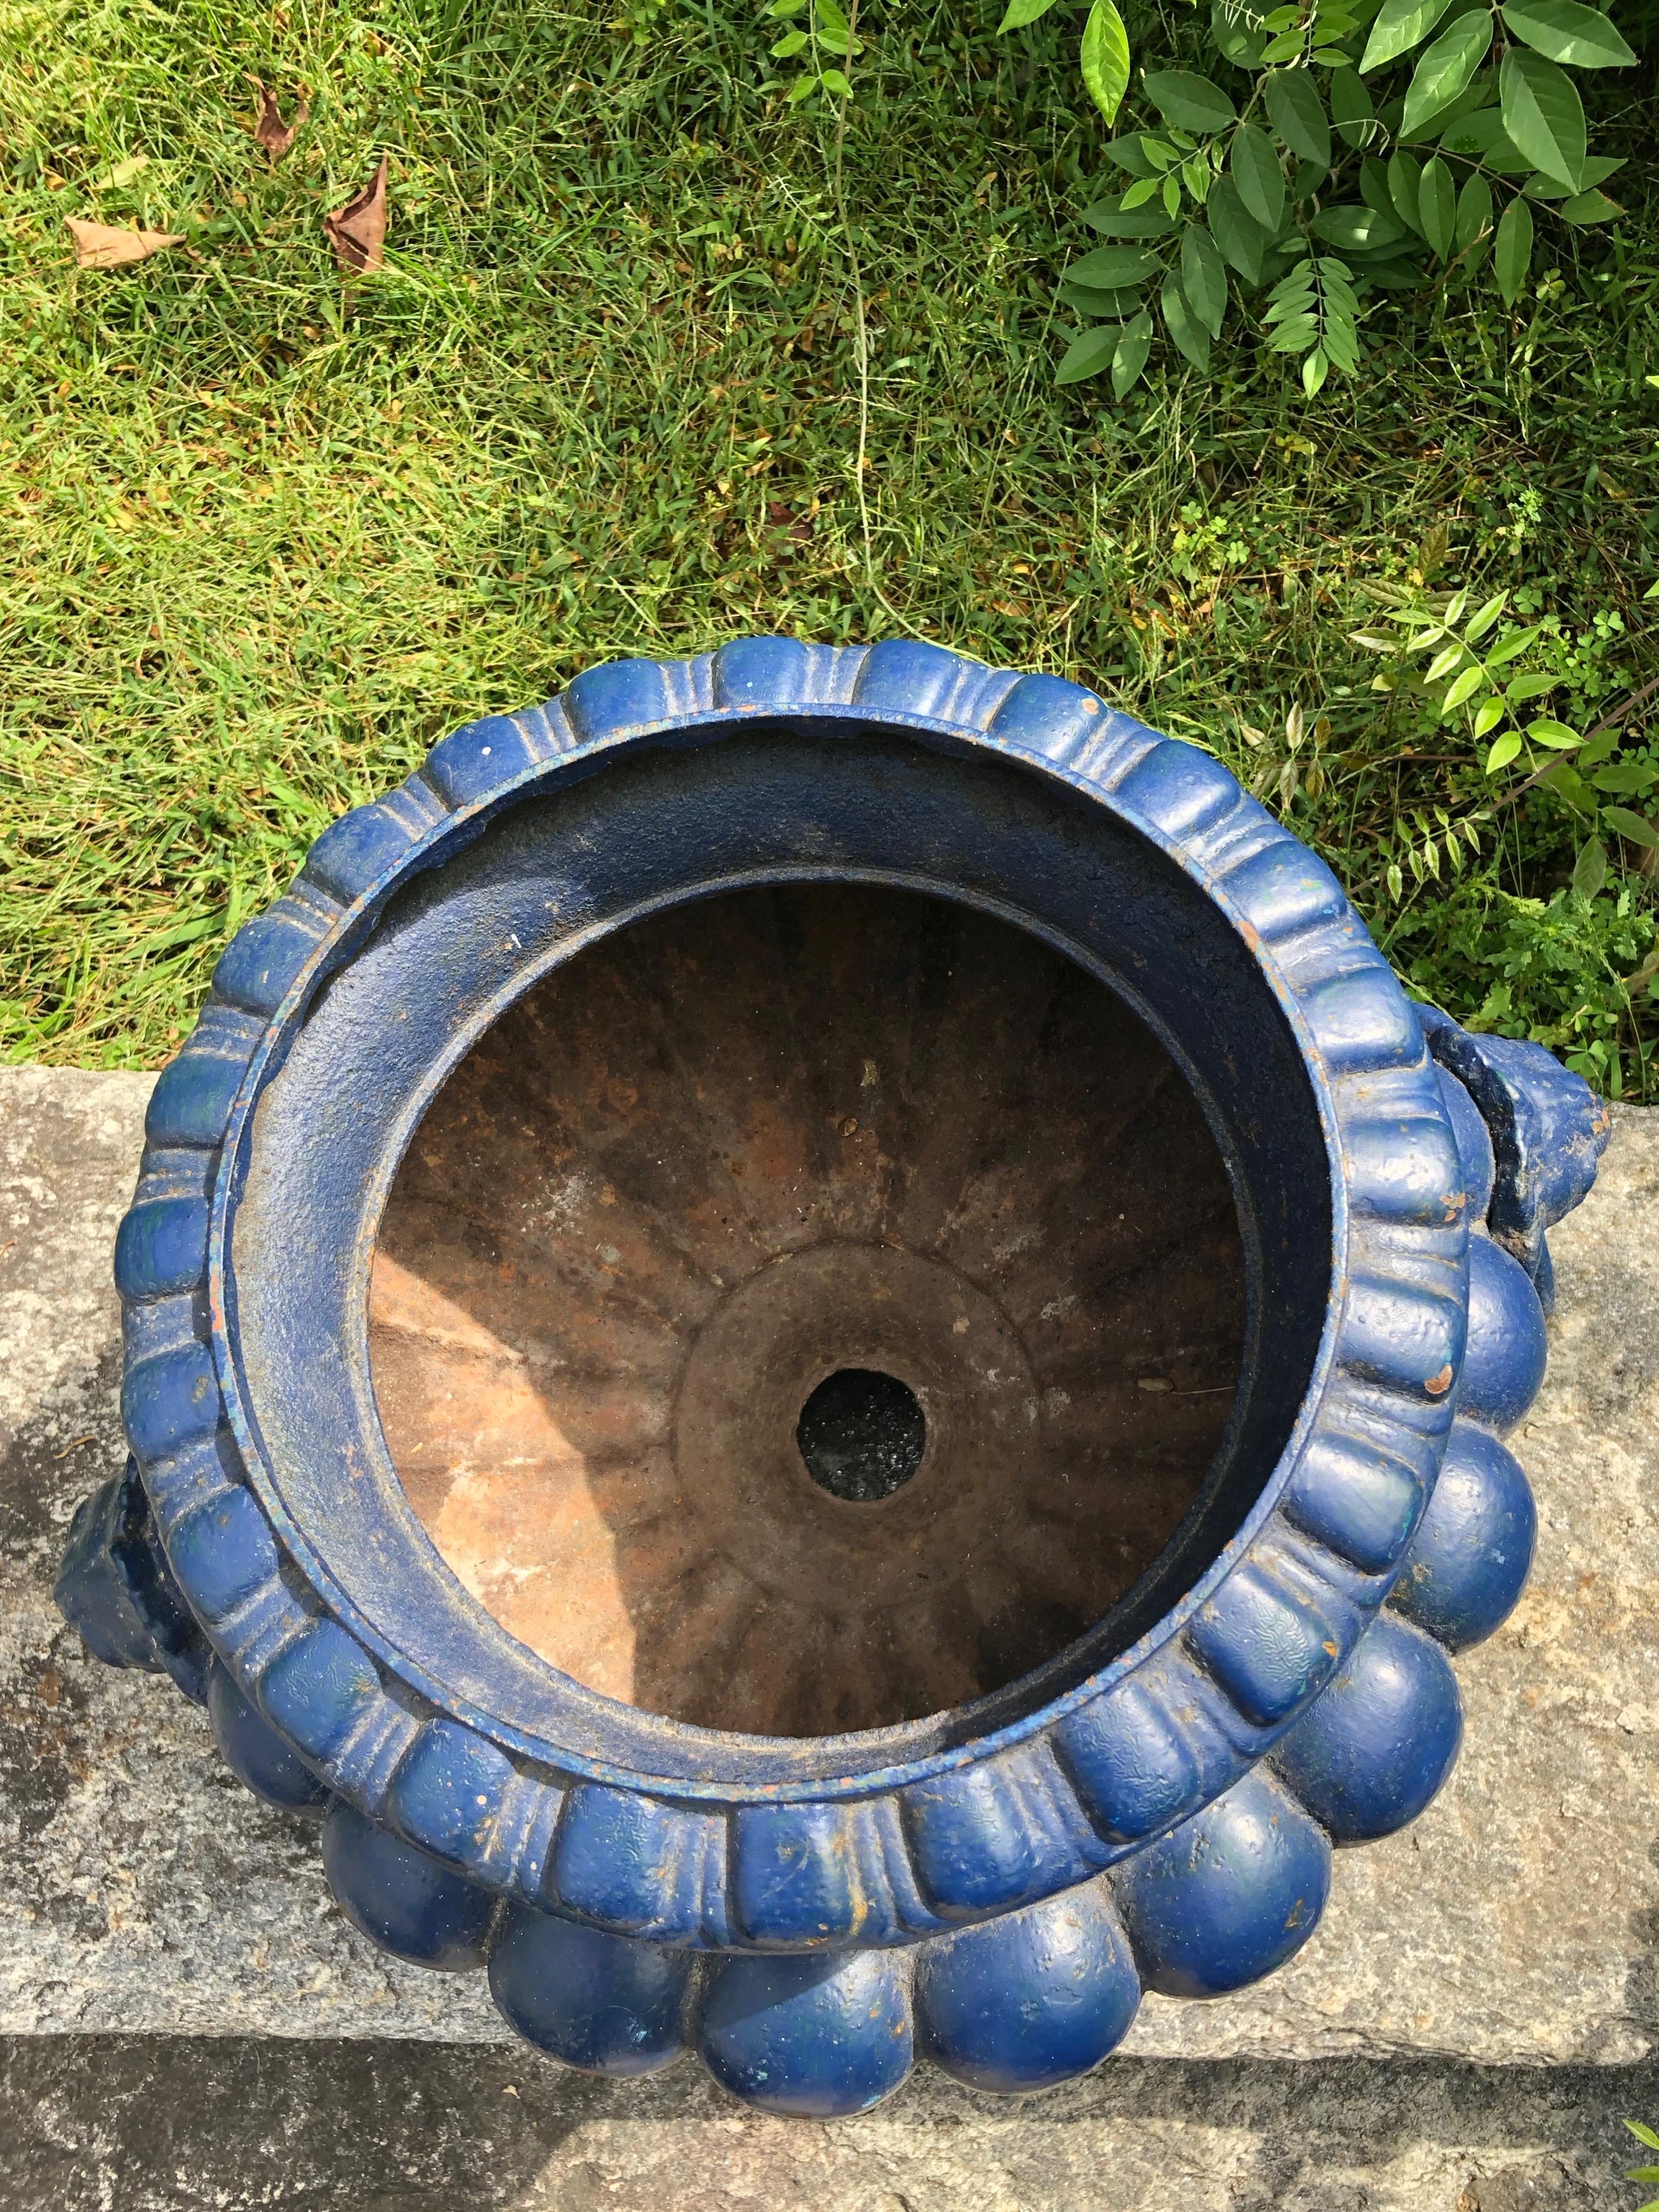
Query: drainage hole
861	1434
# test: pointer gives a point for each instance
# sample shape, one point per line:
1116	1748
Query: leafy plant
1366	146
1650	2139
1565	972
1486	676
820	39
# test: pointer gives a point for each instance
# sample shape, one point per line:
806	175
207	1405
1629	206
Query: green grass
266	538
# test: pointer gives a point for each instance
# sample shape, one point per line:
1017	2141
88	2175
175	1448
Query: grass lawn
267	535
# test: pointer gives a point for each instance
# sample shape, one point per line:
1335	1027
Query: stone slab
1517	1923
179	2124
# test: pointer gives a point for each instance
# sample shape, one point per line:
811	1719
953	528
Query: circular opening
862	1434
778	1135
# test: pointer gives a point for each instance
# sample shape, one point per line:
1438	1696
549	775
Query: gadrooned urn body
813	1344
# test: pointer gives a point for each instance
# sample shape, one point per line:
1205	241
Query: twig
1620	712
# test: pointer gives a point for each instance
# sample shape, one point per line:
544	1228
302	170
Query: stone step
175	2124
143	1890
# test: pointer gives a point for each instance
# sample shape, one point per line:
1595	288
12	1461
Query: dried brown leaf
98	247
357	231
271	131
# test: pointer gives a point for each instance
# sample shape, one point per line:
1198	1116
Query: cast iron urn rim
1164	1816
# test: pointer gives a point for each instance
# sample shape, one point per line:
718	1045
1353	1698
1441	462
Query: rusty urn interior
807	1310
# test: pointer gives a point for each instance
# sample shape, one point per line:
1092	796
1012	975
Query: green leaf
1444	662
1142	189
1588	207
1395	275
1643	2134
1098	306
1639	833
1286	47
1113	219
1543	115
1556	735
1022	12
1566	30
1241	238
1297	114
833	82
1482	134
1526	687
1315	370
1596	171
1183	325
1351	109
1504	750
1105	58
1090	354
1130	153
1190	102
1474	212
1512	649
1437	206
833	30
1624	777
1446	68
1109	268
1374	186
1260	179
1482	620
1357	229
1589	870
1236	40
1406	188
1132	349
1468	102
1197	175
1512	250
1487	715
1400	26
1461	687
1171	198
1341	340
1203	278
790	43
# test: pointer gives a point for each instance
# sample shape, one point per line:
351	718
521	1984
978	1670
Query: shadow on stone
152	2123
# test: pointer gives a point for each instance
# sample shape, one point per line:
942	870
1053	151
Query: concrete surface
191	2022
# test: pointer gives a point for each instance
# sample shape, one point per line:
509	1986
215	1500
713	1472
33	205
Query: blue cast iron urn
814	1346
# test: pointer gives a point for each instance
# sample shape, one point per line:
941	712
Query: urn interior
808	1309
655	1101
